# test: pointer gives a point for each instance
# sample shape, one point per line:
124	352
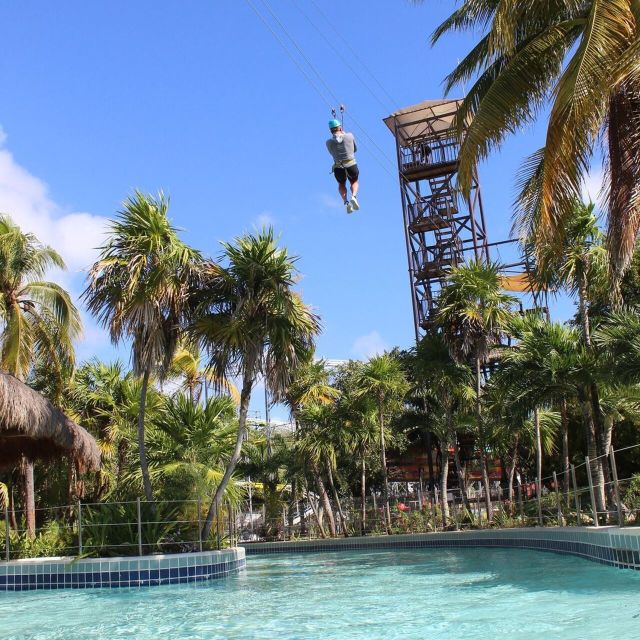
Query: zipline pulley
335	115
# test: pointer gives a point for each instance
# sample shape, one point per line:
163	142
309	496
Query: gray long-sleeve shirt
343	153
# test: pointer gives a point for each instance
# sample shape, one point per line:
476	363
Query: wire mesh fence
141	528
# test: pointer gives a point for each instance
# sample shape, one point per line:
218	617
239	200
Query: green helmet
334	124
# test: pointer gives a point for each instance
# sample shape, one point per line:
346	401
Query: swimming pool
417	593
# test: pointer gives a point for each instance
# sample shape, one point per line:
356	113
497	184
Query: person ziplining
342	147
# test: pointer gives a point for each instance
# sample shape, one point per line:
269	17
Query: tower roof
428	118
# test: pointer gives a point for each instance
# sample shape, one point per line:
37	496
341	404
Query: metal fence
109	529
141	528
561	501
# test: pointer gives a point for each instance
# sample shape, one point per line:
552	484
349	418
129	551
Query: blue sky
198	98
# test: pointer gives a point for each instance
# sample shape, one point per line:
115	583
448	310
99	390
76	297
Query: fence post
576	497
7	537
79	528
593	495
139	527
555	486
199	507
616	488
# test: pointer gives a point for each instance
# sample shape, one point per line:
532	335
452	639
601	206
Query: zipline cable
392	100
289	54
344	60
326	86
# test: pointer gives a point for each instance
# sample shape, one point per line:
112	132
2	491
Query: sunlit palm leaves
139	290
582	59
251	322
37	318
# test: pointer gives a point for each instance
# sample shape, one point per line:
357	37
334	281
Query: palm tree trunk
26	470
293	507
324	496
536	420
383	457
316	512
461	481
363	494
146	480
566	467
604	473
336	497
601	446
245	398
594	461
483	459
512	468
444	474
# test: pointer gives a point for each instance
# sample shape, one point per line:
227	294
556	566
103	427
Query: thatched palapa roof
31	426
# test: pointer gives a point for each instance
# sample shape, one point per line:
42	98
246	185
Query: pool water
462	593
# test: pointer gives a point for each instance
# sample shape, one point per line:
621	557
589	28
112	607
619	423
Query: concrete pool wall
139	571
607	545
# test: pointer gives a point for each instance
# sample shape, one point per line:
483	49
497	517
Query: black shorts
342	173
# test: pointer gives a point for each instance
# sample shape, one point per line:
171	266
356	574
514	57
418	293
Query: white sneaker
354	203
349	207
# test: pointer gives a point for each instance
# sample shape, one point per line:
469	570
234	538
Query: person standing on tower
342	147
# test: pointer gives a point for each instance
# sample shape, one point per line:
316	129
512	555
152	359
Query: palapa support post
594	508
79	528
139	526
616	487
575	495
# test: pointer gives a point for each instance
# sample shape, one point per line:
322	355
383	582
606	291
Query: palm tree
582	57
309	386
186	364
317	451
474	313
357	418
446	386
383	378
251	322
38	320
139	288
195	441
546	365
581	267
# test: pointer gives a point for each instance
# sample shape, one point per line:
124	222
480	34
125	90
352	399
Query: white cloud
25	198
265	219
367	346
75	235
330	201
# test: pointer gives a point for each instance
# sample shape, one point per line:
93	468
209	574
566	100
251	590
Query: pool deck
608	545
136	571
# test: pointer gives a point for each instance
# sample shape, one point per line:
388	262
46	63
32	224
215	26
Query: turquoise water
437	593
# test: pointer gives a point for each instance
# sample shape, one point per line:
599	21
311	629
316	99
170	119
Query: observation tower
442	229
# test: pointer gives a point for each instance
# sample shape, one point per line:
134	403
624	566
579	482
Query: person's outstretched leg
342	189
354	193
